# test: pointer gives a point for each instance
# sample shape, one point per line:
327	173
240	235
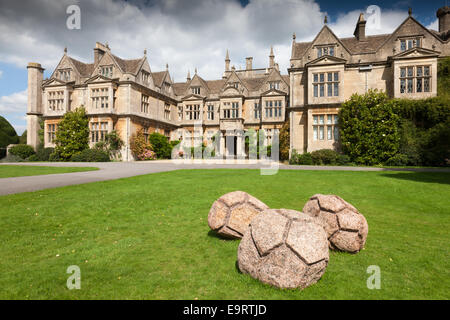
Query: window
100	98
144	103
324	51
325	127
145	77
180	113
230	110
274	85
211	112
329	80
277	108
407	44
195	90
257	111
415	79
56	100
167	111
193	112
235	85
51	132
106	71
98	131
146	133
63	75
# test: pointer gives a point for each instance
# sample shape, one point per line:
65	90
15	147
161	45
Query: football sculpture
231	214
284	248
346	228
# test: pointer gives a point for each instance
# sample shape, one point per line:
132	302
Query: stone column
239	145
222	144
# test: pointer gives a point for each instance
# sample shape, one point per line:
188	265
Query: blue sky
168	30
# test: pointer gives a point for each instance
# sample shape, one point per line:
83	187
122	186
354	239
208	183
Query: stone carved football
284	248
346	228
231	214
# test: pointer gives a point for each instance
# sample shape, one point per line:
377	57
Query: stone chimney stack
227	62
34	107
248	63
99	51
360	30
271	58
443	14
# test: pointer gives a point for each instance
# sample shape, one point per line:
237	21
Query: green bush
43	154
342	159
2	153
91	155
54	157
7	133
32	158
369	128
284	141
22	150
324	156
72	135
12	158
305	159
160	145
397	160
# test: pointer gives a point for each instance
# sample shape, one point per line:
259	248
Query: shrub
22	150
91	155
305	159
2	153
32	158
368	127
54	157
342	159
7	133
324	156
12	158
72	135
113	141
397	160
139	147
160	145
43	154
284	141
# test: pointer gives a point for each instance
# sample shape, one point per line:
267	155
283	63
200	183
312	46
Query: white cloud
1	73
434	25
184	34
14	103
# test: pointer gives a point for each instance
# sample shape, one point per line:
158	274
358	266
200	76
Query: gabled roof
370	43
158	77
215	85
84	69
128	66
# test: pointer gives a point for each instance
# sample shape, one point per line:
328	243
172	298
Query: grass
9	171
147	237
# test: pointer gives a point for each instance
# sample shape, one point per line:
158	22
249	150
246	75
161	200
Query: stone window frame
98	130
325	127
324	50
180	113
146	134
145	103
64	74
145	77
410	42
106	71
55	100
230	109
166	111
325	82
192	112
210	112
274	85
100	98
51	132
257	110
195	90
410	79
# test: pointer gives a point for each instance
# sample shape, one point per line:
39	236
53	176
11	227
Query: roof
85	69
370	43
128	66
158	77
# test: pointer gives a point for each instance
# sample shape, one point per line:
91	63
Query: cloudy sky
186	34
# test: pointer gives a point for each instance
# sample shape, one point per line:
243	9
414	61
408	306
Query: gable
415	53
327	37
326	60
65	63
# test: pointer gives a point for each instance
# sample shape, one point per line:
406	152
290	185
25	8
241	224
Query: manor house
125	95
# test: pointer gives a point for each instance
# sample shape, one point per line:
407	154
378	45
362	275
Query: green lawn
147	237
9	171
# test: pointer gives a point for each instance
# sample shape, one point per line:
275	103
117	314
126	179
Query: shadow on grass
428	177
214	234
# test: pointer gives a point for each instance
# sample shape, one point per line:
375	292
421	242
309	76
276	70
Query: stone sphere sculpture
346	228
284	248
231	214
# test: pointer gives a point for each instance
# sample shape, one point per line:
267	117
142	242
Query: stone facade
127	96
327	71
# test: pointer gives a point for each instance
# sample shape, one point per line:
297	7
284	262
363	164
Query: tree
160	145
72	135
7	133
369	128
